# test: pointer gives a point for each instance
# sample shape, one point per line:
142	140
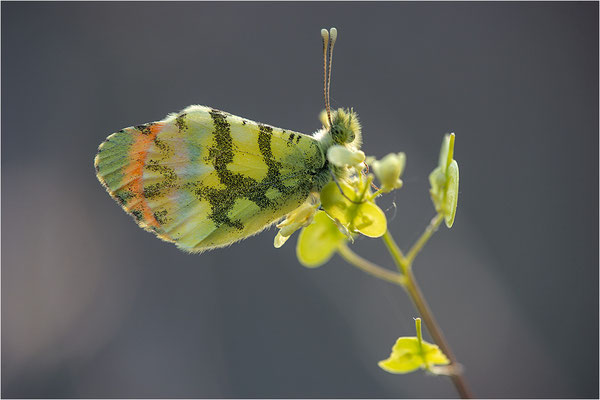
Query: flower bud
444	182
340	156
298	218
388	170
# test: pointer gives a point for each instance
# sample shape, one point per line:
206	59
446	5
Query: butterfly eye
342	135
336	133
350	136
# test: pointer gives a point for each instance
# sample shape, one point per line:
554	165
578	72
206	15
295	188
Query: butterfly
203	178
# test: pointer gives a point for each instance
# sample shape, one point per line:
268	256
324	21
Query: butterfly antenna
325	36
332	39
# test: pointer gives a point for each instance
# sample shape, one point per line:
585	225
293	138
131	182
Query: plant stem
395	252
369	267
420	339
404	264
418	299
418	246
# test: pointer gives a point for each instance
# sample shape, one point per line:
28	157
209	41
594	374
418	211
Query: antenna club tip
333	33
325	34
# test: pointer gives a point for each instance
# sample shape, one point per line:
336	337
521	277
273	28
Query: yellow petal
370	220
318	241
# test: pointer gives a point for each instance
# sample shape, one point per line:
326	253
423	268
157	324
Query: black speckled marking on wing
164	148
181	123
123	196
238	185
138	215
145	129
221	154
161	216
170	176
274	173
156	189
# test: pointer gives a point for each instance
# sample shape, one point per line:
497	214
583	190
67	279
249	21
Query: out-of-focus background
93	306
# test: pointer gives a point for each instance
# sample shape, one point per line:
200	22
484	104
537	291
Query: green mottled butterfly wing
204	178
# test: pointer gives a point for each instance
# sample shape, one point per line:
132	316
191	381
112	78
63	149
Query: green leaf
318	241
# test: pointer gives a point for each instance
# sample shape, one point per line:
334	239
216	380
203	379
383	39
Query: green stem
369	267
415	294
395	251
420	339
418	246
375	194
404	264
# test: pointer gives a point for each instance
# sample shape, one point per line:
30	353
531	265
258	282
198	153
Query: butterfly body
204	178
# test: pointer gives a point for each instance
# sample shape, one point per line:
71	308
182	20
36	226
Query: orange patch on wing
134	172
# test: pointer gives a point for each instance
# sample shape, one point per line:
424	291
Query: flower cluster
344	208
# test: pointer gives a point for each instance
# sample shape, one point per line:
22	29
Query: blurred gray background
92	306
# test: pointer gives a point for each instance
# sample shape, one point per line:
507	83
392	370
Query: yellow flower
354	209
300	217
408	355
412	353
348	208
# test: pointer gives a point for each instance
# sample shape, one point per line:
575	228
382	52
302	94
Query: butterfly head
344	129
